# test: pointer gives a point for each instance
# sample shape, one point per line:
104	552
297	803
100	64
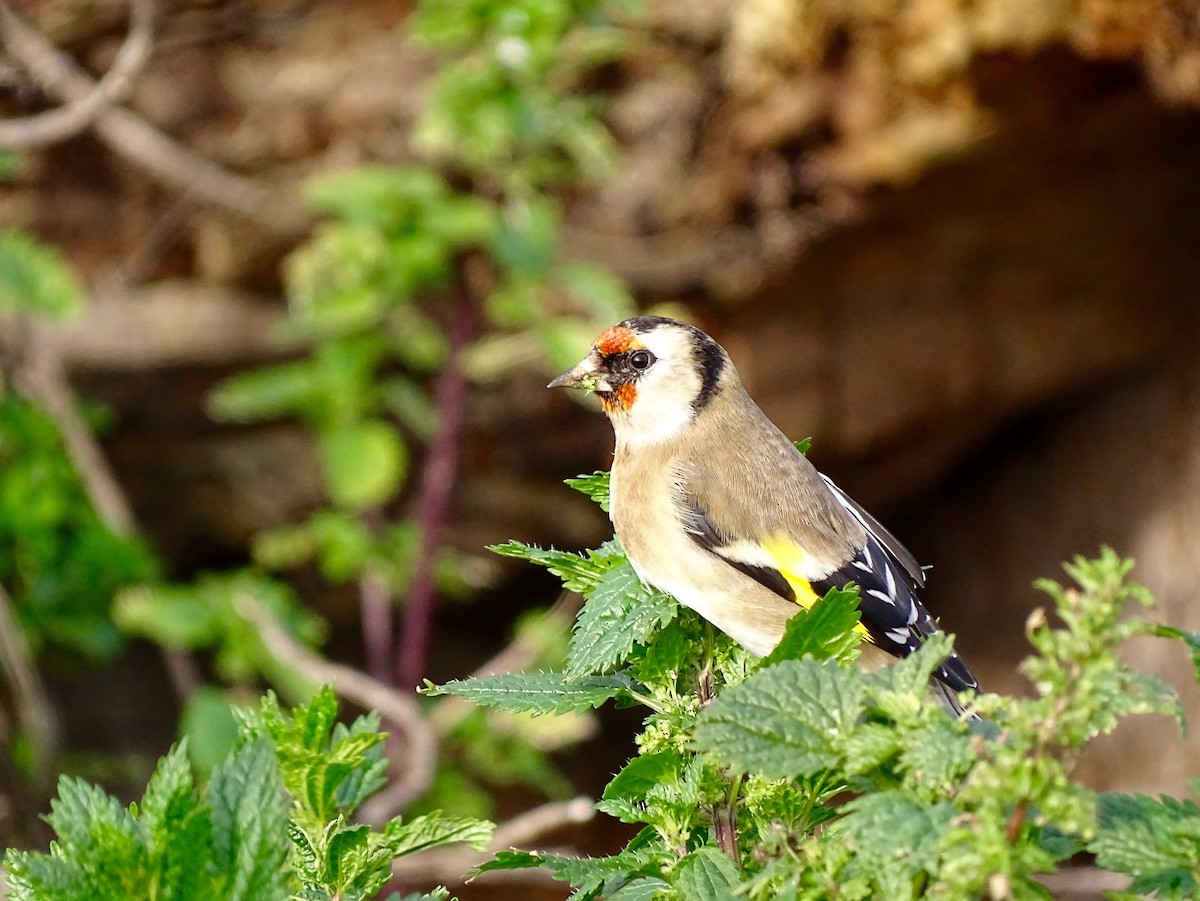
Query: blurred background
281	292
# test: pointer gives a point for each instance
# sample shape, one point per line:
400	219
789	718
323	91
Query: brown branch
67	121
399	709
142	144
34	711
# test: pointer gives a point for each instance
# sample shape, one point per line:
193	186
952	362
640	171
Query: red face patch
616	340
619	400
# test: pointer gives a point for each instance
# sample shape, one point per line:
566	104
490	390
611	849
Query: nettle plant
272	822
798	776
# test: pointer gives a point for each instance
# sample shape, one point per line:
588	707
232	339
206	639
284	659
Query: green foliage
800	776
504	105
536	693
228	842
59	562
1155	839
273	823
211	614
34	277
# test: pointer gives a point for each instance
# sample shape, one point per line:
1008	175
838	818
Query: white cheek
654	418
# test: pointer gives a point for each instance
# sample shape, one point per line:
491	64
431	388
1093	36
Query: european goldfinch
714	505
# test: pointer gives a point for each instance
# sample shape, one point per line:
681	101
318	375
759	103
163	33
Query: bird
714	505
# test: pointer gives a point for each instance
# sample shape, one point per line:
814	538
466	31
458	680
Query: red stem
437	488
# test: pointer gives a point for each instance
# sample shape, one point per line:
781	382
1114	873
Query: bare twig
437	489
449	865
68	121
399	709
143	145
34	711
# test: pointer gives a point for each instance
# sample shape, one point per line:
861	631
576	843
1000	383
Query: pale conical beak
582	375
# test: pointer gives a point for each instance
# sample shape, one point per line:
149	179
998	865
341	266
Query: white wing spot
859	564
912	614
891	580
900	636
867	556
876	593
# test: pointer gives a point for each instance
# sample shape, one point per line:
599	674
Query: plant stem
437	489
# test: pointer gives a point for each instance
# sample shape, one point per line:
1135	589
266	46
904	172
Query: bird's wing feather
898	552
808	536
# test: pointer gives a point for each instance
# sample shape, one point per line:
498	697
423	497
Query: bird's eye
640	359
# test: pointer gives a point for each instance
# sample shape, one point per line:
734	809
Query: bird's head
651	375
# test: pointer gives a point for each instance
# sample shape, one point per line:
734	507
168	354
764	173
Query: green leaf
433	830
892	838
785	721
594	486
511	860
706	874
363	464
643	773
1155	840
208	724
620	613
1191	641
579	572
938	753
536	693
644	889
250	820
36	278
825	630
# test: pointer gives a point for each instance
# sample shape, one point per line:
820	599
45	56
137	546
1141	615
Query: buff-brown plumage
714	505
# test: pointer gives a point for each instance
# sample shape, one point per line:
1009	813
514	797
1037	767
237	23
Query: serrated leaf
178	830
910	677
536	693
265	393
595	486
1191	641
1157	840
432	830
893	837
645	889
938	753
824	631
579	572
784	721
249	816
511	860
643	773
705	875
620	613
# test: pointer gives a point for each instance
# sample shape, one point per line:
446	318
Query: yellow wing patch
791	559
